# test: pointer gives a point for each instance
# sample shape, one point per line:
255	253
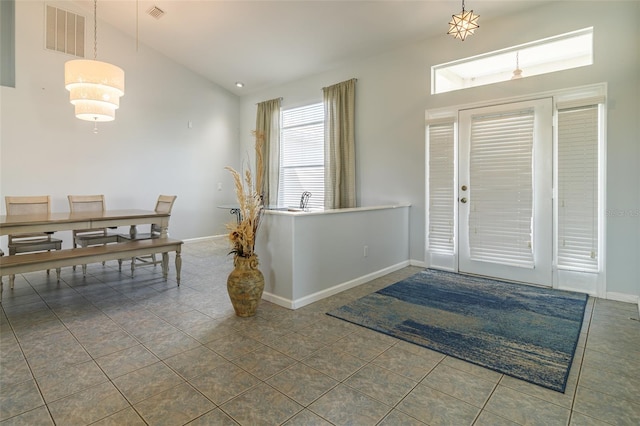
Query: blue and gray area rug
523	331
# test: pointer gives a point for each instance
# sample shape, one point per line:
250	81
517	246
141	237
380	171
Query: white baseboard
280	301
419	263
323	294
200	239
623	297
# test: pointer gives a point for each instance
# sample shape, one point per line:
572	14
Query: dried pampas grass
242	234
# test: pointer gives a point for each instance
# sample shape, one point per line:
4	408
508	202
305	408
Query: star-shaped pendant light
463	24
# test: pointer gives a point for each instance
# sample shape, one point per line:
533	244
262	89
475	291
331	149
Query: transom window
561	52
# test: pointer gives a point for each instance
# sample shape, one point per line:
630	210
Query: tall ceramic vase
245	285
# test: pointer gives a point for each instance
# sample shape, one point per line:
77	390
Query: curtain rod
351	79
274	99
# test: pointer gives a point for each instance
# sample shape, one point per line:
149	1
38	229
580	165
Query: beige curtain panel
268	124
339	134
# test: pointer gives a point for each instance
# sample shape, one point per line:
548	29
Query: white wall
146	151
393	94
306	256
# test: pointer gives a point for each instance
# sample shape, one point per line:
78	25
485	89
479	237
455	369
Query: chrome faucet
304	200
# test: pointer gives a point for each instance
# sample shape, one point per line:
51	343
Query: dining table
66	221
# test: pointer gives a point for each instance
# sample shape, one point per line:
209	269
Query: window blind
501	188
578	188
302	156
441	187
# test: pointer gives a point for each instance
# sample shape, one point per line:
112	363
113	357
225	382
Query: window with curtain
340	160
268	126
578	190
302	156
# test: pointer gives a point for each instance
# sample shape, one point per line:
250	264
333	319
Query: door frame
592	284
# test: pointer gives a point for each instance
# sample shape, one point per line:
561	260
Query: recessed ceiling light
239	84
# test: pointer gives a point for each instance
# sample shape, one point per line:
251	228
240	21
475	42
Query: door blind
501	188
578	188
441	188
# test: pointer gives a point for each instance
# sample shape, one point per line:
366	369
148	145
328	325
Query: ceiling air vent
156	12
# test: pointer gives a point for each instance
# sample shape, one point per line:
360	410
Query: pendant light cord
95	30
95	49
137	26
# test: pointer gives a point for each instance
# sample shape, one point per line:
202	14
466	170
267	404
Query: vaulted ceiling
264	43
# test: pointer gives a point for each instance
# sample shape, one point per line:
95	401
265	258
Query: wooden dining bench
31	262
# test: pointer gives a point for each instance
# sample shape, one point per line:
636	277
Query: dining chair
164	204
89	237
30	242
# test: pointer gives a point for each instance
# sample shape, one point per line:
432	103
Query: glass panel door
505	191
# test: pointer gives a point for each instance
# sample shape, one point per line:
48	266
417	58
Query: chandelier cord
95	50
137	26
95	30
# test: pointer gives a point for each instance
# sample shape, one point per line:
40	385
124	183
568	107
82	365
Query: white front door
505	193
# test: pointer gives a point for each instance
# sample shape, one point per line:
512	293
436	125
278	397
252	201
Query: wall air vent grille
64	31
156	12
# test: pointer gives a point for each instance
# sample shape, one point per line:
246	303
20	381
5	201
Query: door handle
463	200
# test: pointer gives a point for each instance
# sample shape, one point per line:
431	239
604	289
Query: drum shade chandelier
463	24
94	87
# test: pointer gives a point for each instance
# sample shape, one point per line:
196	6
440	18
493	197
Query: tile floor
115	350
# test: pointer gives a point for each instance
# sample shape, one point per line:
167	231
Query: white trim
209	238
623	297
310	212
418	263
602	200
578	92
303	301
280	301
